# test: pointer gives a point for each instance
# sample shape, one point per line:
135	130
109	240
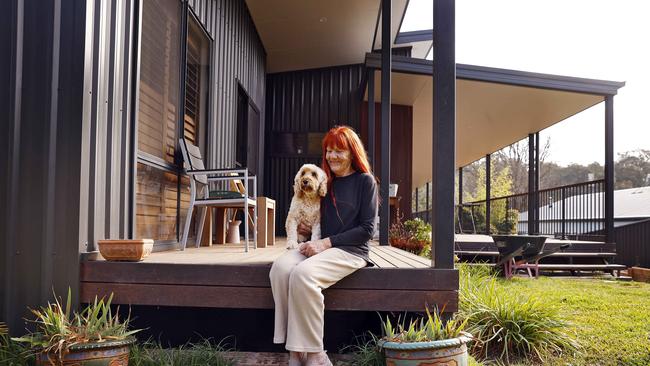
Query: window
162	192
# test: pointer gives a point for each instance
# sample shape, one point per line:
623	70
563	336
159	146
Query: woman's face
339	160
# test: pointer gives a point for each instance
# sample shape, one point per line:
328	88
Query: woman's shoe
318	359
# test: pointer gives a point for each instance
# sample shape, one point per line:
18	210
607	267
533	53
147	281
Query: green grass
610	319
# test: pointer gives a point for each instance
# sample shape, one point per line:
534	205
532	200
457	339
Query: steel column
536	183
531	184
609	169
460	186
371	117
385	120
444	133
488	192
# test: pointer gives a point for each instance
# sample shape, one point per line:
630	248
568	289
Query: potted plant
95	336
426	341
413	235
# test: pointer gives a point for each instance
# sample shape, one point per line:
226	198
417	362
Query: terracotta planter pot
125	250
640	274
445	352
109	353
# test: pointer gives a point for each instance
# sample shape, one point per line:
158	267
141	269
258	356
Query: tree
632	169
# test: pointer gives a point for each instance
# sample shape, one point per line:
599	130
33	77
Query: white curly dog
309	185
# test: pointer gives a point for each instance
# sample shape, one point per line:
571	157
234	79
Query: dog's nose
305	182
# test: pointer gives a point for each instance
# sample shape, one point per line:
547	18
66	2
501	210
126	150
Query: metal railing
566	211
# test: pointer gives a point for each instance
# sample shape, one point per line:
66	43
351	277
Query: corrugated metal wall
633	244
41	115
67	160
305	101
240	59
106	166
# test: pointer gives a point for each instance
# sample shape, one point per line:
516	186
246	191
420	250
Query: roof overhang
494	107
299	34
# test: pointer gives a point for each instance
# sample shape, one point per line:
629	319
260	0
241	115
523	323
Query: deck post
460	186
386	51
444	133
531	184
371	117
609	169
488	192
536	183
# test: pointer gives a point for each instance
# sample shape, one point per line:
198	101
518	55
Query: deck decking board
418	261
224	276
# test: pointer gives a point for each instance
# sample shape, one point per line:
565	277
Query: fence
568	211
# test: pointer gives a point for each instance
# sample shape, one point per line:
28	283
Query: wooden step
556	254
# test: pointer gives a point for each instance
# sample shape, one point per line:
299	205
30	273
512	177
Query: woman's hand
310	248
304	229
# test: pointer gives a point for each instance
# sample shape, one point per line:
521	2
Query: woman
347	223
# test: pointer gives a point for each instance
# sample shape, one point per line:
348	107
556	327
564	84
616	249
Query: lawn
610	319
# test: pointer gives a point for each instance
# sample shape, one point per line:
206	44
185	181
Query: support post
609	169
531	184
371	117
444	133
385	120
460	186
536	182
488	192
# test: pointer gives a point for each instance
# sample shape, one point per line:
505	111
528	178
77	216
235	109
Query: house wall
306	101
240	59
67	166
401	142
41	112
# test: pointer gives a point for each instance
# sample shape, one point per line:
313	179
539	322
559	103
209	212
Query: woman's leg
279	275
306	306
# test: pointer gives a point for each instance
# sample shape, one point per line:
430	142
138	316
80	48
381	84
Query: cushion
225	194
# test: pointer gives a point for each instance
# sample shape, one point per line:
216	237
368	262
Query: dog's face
310	181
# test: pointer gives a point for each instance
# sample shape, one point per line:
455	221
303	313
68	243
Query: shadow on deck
223	276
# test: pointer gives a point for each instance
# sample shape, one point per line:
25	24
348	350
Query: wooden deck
224	276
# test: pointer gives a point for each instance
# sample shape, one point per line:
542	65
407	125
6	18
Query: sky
608	40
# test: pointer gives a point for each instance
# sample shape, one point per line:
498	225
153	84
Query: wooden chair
240	199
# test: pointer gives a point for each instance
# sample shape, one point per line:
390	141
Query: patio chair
200	179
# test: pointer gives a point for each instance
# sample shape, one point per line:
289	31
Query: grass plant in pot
425	341
93	337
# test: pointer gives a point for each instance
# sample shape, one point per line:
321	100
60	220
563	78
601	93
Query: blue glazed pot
448	352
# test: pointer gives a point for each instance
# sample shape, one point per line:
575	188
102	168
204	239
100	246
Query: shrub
508	225
508	325
152	353
58	329
12	353
429	328
413	235
366	352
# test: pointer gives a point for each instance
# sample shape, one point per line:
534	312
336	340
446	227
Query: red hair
344	138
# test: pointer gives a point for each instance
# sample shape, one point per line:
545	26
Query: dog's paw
292	244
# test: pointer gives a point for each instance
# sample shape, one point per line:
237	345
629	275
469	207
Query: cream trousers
297	283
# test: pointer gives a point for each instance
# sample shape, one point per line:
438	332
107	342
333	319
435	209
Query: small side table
265	222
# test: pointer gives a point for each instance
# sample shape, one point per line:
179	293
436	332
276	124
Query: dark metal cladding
301	102
632	247
42	47
68	163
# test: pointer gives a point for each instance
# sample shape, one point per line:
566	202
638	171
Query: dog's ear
296	185
322	187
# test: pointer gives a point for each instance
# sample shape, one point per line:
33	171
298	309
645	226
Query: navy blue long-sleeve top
353	226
